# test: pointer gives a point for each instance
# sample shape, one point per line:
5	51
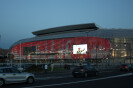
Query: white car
13	75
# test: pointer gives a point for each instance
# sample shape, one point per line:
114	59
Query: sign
80	49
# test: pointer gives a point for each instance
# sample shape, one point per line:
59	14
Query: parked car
13	75
126	67
84	71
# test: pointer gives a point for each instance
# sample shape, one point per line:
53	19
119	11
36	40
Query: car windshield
126	65
14	70
78	67
1	70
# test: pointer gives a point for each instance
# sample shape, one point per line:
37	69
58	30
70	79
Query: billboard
80	49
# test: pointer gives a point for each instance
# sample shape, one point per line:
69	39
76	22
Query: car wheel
85	75
1	82
30	80
74	76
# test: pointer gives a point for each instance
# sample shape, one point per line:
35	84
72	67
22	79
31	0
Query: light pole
130	50
87	45
36	55
20	53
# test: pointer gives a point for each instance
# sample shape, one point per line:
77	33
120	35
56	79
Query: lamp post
36	55
20	53
87	42
130	50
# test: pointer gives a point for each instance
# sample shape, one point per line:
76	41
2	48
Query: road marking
128	74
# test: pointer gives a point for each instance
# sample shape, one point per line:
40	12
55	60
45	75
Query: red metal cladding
54	46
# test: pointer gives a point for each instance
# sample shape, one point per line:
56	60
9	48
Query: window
14	70
1	70
7	70
89	67
29	50
85	67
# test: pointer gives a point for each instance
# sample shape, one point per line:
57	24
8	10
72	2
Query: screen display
80	49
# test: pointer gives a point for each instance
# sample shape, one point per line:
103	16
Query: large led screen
80	49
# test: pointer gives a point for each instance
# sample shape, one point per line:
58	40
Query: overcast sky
18	18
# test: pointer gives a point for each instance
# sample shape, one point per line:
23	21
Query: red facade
64	48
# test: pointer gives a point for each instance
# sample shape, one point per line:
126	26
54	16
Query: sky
19	18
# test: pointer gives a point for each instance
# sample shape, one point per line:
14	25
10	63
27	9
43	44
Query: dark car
84	71
126	67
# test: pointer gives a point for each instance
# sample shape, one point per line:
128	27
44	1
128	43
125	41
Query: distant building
56	45
3	55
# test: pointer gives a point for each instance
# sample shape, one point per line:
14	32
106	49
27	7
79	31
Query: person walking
46	68
52	67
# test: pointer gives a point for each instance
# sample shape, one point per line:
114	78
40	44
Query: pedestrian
46	68
52	67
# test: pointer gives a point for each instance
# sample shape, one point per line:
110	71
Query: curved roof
68	28
80	30
102	33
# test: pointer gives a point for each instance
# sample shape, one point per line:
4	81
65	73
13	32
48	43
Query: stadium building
75	44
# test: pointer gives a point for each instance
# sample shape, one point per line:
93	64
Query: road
65	80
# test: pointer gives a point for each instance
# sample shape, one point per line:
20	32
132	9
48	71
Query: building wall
122	48
63	49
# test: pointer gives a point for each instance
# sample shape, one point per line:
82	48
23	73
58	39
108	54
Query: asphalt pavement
106	79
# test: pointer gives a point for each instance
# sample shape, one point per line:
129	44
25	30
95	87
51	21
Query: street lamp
130	51
36	54
128	48
20	53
